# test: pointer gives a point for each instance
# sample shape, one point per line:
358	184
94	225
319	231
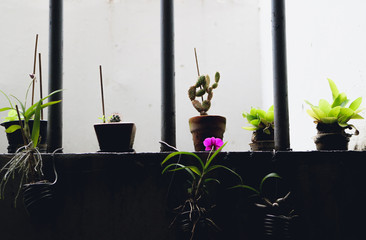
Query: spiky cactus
116	117
201	88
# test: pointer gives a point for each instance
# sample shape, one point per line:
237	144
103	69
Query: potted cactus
332	120
204	126
262	125
114	135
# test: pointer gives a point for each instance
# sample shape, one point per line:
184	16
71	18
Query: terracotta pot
331	137
115	137
262	141
15	139
206	126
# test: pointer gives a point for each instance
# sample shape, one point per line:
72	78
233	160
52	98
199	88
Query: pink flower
212	143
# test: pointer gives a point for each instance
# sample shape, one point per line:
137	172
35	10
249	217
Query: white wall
124	37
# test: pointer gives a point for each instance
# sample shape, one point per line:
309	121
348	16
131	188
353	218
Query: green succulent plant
114	118
260	119
200	89
338	111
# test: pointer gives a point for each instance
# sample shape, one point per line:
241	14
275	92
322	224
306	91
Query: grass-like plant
200	175
338	111
27	161
260	120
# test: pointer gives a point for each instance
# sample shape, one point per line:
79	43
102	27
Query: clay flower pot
206	126
116	136
331	137
15	139
262	141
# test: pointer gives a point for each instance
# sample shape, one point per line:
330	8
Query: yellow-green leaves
260	119
337	112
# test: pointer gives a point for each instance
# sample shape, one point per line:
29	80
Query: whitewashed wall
124	37
325	39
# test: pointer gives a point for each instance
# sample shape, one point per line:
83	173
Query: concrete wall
124	37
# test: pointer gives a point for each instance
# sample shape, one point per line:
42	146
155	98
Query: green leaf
345	115
255	122
36	125
356	116
212	180
333	88
307	102
250	128
213	156
355	104
5	109
318	112
341	100
246	187
329	120
334	112
12	128
178	167
251	117
253	111
29	111
173	154
261	113
270	116
312	114
224	167
324	105
6	96
270	175
29	114
271	109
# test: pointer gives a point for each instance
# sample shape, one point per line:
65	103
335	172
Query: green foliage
27	161
114	118
200	89
336	111
260	119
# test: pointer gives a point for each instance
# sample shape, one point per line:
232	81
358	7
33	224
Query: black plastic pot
277	227
38	200
15	139
262	141
331	137
115	137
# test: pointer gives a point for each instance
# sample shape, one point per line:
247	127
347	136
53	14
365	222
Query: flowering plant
200	175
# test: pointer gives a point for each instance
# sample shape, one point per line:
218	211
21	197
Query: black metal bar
282	136
168	133
54	132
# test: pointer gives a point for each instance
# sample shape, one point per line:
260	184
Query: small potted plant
278	217
263	128
193	215
27	162
11	123
332	120
114	135
205	125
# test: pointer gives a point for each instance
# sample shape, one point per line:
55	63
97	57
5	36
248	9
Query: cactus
200	89
115	118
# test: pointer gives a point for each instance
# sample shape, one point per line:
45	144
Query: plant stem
198	70
34	66
21	126
40	81
101	88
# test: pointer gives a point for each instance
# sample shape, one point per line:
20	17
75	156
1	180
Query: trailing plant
27	161
199	176
338	111
260	120
200	89
264	202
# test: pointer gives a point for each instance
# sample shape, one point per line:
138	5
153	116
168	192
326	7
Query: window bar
168	131
54	131
281	113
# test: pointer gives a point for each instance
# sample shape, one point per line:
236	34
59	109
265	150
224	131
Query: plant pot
15	139
206	126
262	141
38	200
331	137
115	137
277	227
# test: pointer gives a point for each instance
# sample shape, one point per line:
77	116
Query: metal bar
54	131
168	132
282	136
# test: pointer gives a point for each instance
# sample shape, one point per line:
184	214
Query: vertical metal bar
168	133
282	136
54	131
